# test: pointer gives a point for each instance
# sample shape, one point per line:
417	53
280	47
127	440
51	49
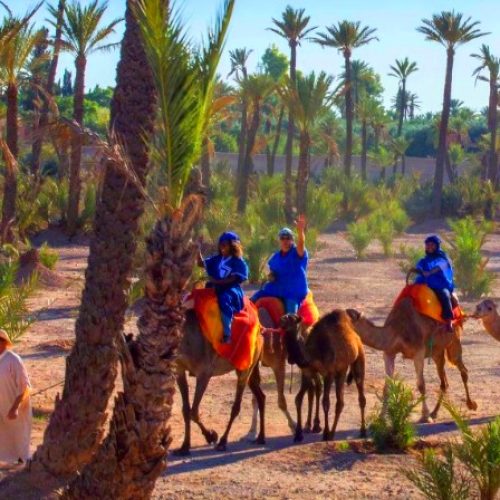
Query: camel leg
327	386
472	405
359	377
235	410
389	365
317	392
252	432
310	404
280	375
304	384
440	361
186	414
260	397
419	361
201	386
339	405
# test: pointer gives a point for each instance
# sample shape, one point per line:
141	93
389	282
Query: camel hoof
425	419
472	405
211	437
250	437
183	451
259	440
434	415
298	438
221	447
326	436
316	429
362	434
307	429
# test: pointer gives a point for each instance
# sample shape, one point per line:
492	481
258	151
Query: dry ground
281	469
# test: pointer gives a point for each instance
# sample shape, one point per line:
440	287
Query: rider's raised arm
301	232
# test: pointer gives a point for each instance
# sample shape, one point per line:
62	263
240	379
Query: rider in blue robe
437	273
226	271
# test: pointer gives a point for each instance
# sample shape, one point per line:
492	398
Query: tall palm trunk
289	139
303	172
402	111
364	149
277	138
76	146
492	125
242	138
349	114
10	181
49	88
134	454
77	424
248	163
443	131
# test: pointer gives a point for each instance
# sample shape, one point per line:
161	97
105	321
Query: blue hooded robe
442	280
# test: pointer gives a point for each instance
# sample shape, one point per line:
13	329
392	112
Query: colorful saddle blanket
426	302
308	310
245	329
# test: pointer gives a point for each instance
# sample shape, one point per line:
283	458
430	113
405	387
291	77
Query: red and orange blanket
308	310
245	329
426	302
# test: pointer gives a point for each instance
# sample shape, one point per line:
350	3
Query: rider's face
286	243
225	249
430	247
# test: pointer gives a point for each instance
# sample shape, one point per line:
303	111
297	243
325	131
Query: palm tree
83	35
399	145
57	17
15	53
328	131
492	64
368	108
239	61
134	453
256	89
401	70
451	30
347	36
413	104
77	425
293	27
364	80
308	100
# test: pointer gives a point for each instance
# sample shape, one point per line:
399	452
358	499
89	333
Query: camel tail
350	376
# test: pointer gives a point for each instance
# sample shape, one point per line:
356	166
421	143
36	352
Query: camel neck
377	337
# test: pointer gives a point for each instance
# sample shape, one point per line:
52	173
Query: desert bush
48	256
390	428
411	256
436	477
359	235
86	218
479	452
323	207
469	237
14	316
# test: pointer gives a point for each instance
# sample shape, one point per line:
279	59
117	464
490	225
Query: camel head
354	315
290	323
486	309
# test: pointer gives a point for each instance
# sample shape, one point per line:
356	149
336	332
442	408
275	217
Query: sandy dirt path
281	469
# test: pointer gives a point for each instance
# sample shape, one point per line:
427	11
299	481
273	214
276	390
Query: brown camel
416	337
487	312
274	356
197	357
330	350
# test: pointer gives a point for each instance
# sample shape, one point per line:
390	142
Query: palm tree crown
239	60
450	29
293	25
346	35
403	68
489	62
82	30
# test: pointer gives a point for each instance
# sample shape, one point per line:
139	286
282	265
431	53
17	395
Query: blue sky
395	21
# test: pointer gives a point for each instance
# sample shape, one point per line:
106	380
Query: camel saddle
427	303
245	328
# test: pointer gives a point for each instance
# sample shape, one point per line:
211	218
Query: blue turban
228	236
434	239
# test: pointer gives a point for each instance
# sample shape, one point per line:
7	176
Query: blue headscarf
228	236
431	260
434	238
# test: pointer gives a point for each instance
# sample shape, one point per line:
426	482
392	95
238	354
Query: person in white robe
15	405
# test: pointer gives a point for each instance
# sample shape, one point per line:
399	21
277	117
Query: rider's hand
301	222
426	274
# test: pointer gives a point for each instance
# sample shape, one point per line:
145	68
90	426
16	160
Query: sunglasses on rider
285	238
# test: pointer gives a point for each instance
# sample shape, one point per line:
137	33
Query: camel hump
336	317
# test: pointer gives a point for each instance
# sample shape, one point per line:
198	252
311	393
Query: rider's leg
444	297
291	306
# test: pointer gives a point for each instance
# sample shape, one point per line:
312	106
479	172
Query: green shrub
383	230
391	428
87	214
469	237
479	452
323	207
48	257
411	256
436	477
14	316
359	236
